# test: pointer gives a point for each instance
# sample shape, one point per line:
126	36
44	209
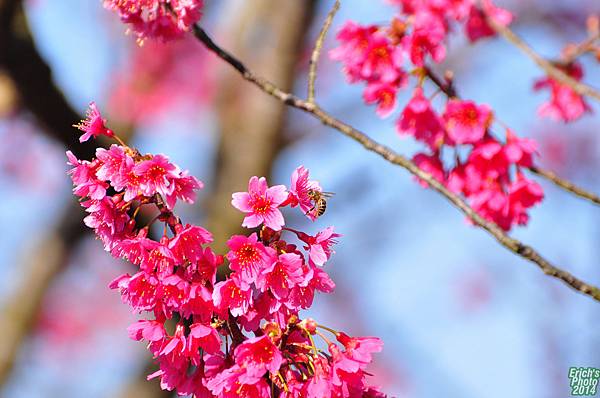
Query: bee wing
327	194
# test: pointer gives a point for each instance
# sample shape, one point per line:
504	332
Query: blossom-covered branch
448	88
276	272
512	244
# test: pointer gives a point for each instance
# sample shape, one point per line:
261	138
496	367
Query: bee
319	202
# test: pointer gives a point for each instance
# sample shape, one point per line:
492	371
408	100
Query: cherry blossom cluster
162	19
232	333
565	103
477	165
378	54
483	169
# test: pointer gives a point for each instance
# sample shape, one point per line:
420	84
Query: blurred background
459	315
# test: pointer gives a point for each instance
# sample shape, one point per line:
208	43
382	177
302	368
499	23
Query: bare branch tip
316	54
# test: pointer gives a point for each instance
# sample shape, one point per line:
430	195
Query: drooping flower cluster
484	170
238	336
162	19
378	54
565	104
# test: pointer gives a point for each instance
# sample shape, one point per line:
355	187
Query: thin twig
316	54
388	154
548	67
565	184
450	91
237	337
586	46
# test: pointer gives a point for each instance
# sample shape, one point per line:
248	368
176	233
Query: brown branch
450	91
579	49
548	67
511	244
316	54
565	184
234	331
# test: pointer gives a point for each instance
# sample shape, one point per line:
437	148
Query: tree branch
450	91
565	184
548	67
316	54
511	244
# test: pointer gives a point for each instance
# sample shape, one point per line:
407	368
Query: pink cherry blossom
565	104
455	9
93	125
300	189
164	19
186	245
382	94
257	356
519	151
176	346
360	348
174	292
199	303
430	164
321	384
147	330
184	188
205	337
354	49
488	160
84	177
282	275
492	204
420	120
156	175
206	267
229	296
135	249
139	290
466	122
477	27
319	246
523	194
248	257
426	39
114	163
382	61
160	260
262	204
110	222
345	370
